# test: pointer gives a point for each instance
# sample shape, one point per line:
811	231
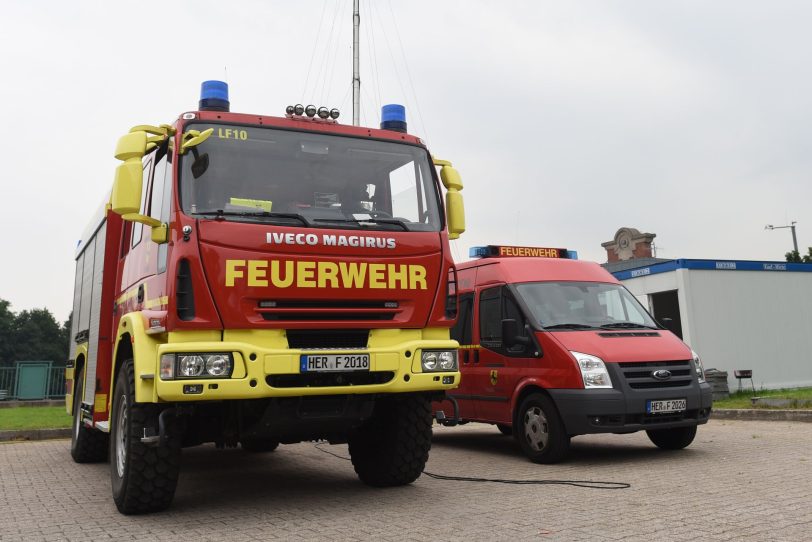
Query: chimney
629	244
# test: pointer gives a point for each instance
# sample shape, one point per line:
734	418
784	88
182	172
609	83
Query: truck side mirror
455	211
511	336
126	195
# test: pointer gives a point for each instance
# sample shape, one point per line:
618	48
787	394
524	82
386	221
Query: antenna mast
356	78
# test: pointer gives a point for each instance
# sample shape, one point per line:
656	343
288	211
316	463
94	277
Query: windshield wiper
362	221
219	213
630	325
569	326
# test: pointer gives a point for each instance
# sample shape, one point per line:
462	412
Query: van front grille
640	376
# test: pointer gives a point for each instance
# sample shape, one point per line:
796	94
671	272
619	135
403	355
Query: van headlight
196	365
593	370
700	370
438	360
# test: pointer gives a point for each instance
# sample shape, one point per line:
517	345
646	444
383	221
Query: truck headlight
700	370
196	365
593	370
438	360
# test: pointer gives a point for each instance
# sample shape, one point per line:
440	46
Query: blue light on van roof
393	117
214	96
478	252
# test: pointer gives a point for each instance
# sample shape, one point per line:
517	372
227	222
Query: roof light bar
506	251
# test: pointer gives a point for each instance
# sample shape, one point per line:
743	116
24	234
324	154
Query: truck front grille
640	376
327	380
326	339
329	310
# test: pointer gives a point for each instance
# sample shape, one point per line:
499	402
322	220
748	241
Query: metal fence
31	383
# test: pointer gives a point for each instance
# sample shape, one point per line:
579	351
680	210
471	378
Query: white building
735	314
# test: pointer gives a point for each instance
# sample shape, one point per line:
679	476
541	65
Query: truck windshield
257	174
583	305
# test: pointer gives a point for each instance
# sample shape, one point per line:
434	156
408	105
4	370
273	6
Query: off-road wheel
504	429
672	439
392	447
259	445
87	445
144	476
540	431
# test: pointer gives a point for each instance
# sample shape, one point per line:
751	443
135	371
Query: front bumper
624	411
265	367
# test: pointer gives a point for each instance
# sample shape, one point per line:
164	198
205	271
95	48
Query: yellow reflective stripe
150	303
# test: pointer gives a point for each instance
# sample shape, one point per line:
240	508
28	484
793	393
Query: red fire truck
255	280
552	347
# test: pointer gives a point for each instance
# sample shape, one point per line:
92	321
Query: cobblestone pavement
738	480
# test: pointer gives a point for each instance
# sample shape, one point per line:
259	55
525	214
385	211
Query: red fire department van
552	347
258	280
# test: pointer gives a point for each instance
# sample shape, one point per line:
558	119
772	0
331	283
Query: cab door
500	368
467	356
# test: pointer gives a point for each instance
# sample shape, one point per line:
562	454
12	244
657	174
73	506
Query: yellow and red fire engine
255	280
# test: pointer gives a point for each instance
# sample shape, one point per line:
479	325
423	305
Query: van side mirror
667	323
511	336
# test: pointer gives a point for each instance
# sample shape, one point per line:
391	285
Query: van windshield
582	305
258	174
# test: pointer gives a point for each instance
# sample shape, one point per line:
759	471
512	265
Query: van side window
490	317
462	330
495	305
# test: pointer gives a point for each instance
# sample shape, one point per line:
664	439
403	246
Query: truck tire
392	447
672	439
504	429
144	477
87	445
540	431
259	445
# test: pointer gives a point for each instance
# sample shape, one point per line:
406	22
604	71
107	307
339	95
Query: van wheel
392	447
540	432
672	439
504	429
259	445
144	477
87	445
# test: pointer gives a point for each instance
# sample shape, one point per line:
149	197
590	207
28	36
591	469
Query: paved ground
739	480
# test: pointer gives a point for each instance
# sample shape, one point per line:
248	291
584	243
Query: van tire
259	445
504	429
392	447
540	431
144	477
87	445
672	439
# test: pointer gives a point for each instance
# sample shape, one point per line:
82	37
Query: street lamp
792	227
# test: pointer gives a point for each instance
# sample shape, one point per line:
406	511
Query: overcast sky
567	120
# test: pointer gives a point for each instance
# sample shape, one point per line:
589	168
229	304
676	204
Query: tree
38	337
794	257
31	335
7	319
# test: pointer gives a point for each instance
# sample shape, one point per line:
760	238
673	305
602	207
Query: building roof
710	265
614	267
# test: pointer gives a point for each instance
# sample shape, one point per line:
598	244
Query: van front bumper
616	411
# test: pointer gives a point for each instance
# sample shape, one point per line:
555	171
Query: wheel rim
121	436
536	429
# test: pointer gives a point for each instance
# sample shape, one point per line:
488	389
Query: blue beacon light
393	117
214	96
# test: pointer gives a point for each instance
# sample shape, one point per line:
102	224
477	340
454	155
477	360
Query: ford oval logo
662	374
